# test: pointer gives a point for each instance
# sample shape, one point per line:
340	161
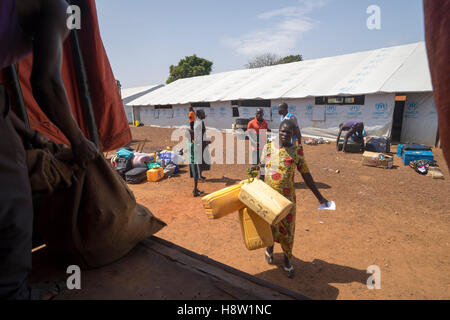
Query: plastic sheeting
387	70
420	121
377	114
419	124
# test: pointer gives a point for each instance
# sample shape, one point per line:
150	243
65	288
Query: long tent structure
131	94
389	89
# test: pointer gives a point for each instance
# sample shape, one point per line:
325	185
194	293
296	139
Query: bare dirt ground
395	219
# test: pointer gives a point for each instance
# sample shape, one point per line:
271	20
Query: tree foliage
291	58
270	59
264	60
188	67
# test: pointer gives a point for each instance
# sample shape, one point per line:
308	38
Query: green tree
270	59
291	58
188	67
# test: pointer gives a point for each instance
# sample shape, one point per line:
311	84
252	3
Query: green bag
154	165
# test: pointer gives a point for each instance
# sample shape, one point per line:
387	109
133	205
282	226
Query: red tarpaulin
110	117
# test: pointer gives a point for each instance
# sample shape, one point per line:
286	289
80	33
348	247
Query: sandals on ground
290	271
198	193
269	257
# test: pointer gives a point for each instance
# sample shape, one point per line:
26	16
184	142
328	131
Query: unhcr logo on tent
412	111
331	111
381	107
412	106
354	111
309	110
380	110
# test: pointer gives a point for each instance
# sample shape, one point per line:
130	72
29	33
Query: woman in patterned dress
280	165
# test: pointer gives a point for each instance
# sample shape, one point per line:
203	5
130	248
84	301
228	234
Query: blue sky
144	37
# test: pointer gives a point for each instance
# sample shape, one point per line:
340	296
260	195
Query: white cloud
285	28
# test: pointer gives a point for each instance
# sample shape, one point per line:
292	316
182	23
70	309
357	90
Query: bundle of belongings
427	167
260	207
88	217
378	160
378	144
315	142
134	167
421	166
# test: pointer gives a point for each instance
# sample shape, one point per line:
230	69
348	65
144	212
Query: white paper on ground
328	206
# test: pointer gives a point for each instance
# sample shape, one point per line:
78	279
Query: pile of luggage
136	168
420	158
315	142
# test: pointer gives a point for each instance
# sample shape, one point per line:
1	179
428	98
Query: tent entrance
397	122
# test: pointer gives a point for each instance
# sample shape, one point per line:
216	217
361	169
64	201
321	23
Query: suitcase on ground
256	231
403	147
378	144
136	176
411	155
352	146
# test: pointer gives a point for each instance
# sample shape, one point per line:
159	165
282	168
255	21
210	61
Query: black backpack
123	166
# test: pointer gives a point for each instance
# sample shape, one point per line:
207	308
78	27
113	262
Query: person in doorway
37	27
283	111
191	117
257	130
280	168
354	131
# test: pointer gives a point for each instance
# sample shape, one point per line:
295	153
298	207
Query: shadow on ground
314	279
227	181
319	185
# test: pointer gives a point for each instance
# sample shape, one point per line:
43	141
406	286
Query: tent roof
395	69
131	94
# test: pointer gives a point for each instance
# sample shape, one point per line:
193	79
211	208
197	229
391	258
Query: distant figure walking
283	111
191	117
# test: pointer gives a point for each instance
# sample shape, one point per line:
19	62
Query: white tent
378	75
131	94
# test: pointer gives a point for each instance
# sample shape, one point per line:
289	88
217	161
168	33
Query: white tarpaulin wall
377	114
129	113
420	122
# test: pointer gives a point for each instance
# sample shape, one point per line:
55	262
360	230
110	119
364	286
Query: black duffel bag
136	176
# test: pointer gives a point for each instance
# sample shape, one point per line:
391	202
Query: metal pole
83	86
